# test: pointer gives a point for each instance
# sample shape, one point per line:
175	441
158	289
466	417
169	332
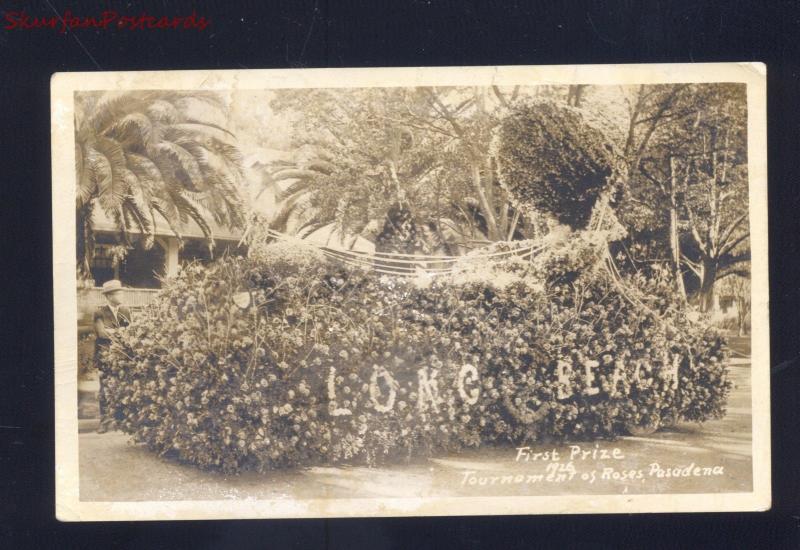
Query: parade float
300	355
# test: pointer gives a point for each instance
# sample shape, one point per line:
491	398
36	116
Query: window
143	268
140	269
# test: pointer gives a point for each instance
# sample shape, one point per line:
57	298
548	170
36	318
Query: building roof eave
190	229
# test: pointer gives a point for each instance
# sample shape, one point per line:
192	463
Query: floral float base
326	364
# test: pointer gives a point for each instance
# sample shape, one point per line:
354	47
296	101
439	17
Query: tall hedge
290	360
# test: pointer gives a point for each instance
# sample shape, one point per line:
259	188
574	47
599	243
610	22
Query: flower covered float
291	357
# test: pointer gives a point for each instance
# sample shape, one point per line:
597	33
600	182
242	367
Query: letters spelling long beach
469	386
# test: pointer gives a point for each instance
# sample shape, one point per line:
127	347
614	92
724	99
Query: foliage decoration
334	364
550	159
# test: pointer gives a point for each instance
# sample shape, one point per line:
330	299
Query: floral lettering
375	390
468	371
335	411
428	390
670	371
589	377
563	372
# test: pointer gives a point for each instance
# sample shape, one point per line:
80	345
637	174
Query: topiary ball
550	159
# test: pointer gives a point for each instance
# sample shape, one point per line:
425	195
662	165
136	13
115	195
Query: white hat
111	286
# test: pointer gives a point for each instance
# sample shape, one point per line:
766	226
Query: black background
301	33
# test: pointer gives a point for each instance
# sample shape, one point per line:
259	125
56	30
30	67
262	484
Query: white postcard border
70	508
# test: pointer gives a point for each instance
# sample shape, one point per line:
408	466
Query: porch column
172	256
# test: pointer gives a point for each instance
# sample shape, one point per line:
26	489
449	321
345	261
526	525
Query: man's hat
111	286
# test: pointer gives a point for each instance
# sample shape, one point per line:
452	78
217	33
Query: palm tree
142	155
304	179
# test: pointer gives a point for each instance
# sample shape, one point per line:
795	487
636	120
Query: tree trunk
675	246
708	278
674	238
575	94
483	203
85	240
740	318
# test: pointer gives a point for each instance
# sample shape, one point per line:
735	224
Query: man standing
107	319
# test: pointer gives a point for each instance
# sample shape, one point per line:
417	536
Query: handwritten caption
579	463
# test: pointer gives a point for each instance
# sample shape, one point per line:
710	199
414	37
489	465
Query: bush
86	354
732	325
332	364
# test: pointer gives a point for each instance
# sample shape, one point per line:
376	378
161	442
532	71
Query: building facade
141	269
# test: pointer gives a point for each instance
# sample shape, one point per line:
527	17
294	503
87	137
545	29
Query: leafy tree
143	155
467	118
739	289
716	191
438	154
653	145
686	199
350	164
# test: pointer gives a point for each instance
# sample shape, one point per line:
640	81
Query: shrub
334	364
86	354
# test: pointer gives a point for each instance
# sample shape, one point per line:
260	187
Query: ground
111	468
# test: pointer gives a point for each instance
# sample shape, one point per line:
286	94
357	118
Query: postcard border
70	508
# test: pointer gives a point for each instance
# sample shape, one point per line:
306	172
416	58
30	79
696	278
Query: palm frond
295	188
281	221
305	230
210	129
320	165
163	112
183	161
111	149
111	106
108	178
230	154
213	165
121	222
86	187
135	213
190	208
135	128
169	212
144	154
146	170
294	173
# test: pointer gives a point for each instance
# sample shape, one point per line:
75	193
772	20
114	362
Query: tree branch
727	272
733	244
731	260
728	231
695	233
657	182
500	97
694	266
664	105
442	109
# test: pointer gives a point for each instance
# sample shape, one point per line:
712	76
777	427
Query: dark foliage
551	159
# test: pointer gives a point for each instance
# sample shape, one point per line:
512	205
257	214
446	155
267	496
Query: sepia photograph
405	292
